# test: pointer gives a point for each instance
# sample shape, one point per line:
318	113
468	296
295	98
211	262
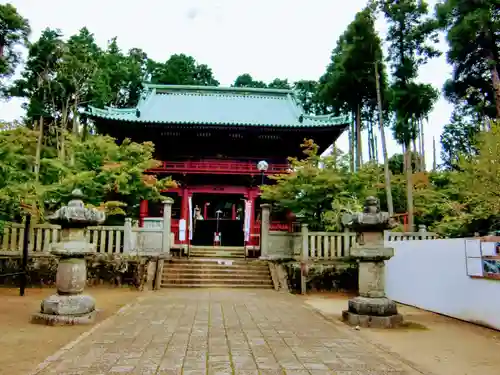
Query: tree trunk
372	140
370	154
415	156
351	146
422	146
409	188
359	148
387	173
434	153
495	78
38	151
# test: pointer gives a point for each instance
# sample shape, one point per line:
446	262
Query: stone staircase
217	252
216	273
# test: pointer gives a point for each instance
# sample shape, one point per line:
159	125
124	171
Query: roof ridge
156	86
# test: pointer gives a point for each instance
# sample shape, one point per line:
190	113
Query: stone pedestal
264	231
69	305
372	308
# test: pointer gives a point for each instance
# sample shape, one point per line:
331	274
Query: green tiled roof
202	105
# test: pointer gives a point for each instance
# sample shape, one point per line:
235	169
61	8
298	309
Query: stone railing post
264	230
167	220
127	235
304	257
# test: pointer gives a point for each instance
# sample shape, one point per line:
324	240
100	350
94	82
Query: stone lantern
371	308
69	305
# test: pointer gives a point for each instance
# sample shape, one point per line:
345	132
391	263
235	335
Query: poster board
473	257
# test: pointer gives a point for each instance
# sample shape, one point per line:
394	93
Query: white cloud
268	39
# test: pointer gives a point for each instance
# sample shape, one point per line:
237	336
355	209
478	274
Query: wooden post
167	218
24	275
304	258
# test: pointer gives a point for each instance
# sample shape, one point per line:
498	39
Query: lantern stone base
61	320
66	310
372	312
370	321
68	304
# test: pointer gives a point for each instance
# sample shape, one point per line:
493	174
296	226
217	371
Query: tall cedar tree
349	83
473	34
411	37
14	31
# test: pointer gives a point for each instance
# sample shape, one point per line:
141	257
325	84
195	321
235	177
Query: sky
290	39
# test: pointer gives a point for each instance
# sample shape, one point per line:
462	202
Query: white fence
328	245
439	276
108	239
409	236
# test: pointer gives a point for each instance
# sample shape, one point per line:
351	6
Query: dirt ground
25	345
437	344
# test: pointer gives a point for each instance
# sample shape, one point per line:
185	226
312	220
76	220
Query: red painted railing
217	167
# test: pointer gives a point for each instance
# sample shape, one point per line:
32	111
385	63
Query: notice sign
473	258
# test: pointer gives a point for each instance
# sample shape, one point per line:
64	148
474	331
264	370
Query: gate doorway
221	213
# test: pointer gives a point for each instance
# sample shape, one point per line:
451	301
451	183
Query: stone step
210	272
214	275
215	260
193	263
233	281
224	270
218	255
213	285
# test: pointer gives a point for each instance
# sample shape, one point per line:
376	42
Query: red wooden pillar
143	212
233	212
205	210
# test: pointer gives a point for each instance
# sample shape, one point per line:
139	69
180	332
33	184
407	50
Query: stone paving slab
221	332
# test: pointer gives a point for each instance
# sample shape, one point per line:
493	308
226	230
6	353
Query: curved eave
308	124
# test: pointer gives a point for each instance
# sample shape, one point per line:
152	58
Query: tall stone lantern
69	305
371	308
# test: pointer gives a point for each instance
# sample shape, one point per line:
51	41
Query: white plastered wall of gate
432	275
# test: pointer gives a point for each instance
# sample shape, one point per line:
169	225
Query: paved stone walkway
226	331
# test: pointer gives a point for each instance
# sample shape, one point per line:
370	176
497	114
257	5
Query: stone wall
324	276
111	269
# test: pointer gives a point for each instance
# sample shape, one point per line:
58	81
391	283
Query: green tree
473	34
37	84
350	80
182	70
308	97
411	37
458	139
104	170
309	190
14	31
278	83
246	80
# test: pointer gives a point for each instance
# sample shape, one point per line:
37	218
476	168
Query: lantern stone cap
265	205
167	200
372	219
75	214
